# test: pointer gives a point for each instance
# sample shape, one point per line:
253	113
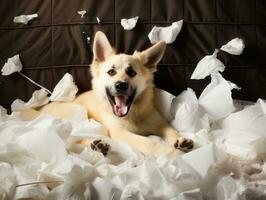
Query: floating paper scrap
188	115
88	40
82	13
24	19
167	34
205	159
207	66
234	47
12	65
216	98
98	20
163	102
65	90
39	98
129	24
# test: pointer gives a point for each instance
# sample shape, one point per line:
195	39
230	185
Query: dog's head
121	78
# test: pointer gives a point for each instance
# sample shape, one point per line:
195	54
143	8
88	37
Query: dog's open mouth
120	103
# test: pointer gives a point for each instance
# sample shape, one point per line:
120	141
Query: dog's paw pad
100	146
184	144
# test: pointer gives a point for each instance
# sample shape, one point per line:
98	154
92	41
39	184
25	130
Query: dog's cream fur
143	117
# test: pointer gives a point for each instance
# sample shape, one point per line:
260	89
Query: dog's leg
144	144
172	137
162	128
99	145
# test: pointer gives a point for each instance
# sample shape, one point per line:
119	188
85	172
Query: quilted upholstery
54	43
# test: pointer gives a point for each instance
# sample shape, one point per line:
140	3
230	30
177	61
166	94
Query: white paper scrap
129	24
82	13
163	102
194	194
216	98
12	65
167	34
24	19
65	90
39	98
246	131
98	20
205	159
44	144
207	66
234	47
188	115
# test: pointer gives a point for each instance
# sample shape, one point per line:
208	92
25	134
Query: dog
122	99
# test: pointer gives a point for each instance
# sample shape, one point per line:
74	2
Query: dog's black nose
121	86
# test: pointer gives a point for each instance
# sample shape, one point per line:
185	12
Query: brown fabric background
54	44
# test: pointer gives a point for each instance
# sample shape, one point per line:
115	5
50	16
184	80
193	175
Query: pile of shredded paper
39	159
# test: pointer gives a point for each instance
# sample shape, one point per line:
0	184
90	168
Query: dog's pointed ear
101	47
153	55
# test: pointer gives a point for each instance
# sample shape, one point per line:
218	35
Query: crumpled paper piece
194	194
98	20
7	180
12	65
234	46
163	103
44	144
39	98
207	66
246	131
82	13
65	89
167	34
216	98
229	188
24	19
3	112
205	159
188	114
129	24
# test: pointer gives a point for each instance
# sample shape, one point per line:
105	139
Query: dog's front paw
100	146
184	144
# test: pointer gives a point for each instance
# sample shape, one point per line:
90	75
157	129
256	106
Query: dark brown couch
54	43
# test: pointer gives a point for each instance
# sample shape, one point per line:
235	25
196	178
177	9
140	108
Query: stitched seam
140	22
162	64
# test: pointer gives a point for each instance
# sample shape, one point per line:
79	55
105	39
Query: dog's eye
111	72
130	71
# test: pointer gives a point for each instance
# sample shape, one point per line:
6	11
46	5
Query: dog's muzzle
121	99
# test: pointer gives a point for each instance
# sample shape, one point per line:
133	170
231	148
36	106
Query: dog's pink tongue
120	105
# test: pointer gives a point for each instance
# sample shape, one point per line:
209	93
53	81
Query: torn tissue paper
207	66
44	144
246	131
39	98
82	13
129	24
234	47
65	90
188	115
216	98
98	20
167	34
163	102
24	19
205	159
12	65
